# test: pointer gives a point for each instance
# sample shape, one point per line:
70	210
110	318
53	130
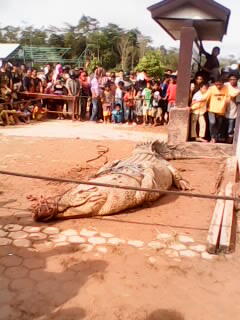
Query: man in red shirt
171	97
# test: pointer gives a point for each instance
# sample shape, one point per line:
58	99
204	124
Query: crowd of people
214	107
101	97
118	98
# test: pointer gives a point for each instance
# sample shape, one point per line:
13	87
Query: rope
114	186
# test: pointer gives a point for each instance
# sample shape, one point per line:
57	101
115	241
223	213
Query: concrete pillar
179	116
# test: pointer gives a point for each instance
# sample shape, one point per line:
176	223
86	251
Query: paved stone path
32	237
29	271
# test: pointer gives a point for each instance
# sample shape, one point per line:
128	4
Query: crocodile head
160	148
181	151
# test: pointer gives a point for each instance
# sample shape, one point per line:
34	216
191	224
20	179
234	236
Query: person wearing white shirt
119	93
233	105
198	110
119	78
95	89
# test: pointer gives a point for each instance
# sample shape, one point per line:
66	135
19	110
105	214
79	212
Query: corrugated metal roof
7	48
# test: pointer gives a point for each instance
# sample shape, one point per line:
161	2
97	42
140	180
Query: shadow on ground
36	285
164	314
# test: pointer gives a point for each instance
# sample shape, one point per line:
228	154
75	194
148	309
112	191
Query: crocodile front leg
178	180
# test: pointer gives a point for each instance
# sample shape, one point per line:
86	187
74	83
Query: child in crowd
139	106
147	103
5	91
4	115
119	93
107	104
8	112
198	109
129	105
39	112
25	113
117	114
171	96
156	110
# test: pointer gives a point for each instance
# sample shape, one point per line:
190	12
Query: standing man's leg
230	130
94	109
77	108
231	127
202	126
83	107
100	111
125	113
212	126
194	119
220	120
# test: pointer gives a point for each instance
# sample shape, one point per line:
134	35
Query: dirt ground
45	281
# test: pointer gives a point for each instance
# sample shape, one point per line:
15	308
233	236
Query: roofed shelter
16	53
188	21
6	49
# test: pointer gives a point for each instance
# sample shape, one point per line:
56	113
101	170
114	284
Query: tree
86	25
229	60
143	45
56	40
125	45
39	37
110	45
10	34
151	63
170	58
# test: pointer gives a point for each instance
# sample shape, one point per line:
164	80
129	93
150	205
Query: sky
126	13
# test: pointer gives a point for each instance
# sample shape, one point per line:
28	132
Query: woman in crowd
196	85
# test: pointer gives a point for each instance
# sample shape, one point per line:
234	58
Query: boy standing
147	103
157	110
107	104
119	93
129	106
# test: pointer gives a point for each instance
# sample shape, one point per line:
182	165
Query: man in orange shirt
218	97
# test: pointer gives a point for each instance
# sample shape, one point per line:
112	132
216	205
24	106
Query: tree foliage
110	45
152	63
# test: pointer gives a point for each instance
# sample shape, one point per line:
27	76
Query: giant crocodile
147	167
